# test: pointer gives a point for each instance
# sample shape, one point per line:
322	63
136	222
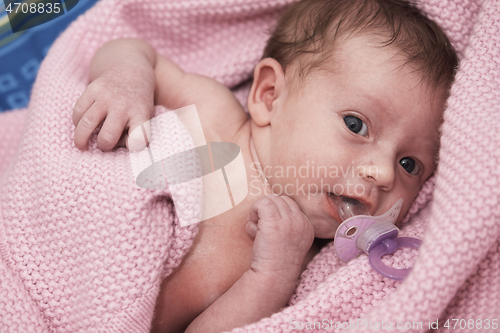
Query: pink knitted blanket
82	249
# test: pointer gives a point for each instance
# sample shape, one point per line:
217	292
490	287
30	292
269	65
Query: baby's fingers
251	228
139	132
291	204
264	208
87	124
111	131
270	207
82	105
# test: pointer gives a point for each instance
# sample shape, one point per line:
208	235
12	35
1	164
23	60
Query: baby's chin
328	232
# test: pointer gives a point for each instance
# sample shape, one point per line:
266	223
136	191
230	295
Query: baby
355	85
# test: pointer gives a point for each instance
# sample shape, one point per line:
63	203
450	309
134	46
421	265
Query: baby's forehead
357	54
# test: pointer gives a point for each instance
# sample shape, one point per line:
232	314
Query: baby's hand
122	97
283	235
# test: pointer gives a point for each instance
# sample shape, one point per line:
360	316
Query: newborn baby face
365	127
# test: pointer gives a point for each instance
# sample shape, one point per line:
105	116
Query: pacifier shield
347	234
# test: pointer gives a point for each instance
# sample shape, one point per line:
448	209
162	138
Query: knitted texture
84	250
11	130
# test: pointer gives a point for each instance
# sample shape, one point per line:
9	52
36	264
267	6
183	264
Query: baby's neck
256	162
257	185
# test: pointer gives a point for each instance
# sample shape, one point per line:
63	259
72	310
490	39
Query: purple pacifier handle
389	246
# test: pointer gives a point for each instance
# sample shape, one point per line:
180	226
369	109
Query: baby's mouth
332	206
348	207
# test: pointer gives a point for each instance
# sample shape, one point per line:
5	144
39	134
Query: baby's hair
314	26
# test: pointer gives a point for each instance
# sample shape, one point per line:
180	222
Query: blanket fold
83	249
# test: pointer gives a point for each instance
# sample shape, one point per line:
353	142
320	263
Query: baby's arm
283	236
127	78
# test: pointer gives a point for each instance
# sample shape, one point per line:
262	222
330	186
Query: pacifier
374	235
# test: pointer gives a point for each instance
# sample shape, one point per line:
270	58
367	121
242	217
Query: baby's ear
268	84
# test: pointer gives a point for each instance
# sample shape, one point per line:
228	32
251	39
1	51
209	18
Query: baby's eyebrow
384	106
381	104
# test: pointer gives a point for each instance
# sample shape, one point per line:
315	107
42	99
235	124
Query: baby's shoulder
221	114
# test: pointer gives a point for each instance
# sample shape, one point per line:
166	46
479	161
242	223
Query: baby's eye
409	165
356	125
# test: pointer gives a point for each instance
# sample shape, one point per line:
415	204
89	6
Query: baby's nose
379	170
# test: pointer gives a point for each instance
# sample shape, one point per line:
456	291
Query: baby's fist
283	236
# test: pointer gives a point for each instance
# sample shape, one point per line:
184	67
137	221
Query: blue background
22	52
